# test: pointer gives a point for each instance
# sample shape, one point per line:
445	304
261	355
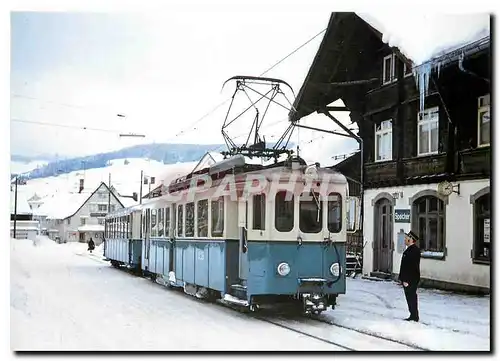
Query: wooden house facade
426	160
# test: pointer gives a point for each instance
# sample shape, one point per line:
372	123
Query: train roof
240	164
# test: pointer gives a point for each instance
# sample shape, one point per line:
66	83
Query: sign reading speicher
402	215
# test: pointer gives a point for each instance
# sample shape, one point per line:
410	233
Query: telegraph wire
182	132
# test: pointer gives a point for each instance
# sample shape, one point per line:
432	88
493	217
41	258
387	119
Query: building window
83	221
112	207
483	126
407	70
68	221
100	221
383	141
430	224
190	219
310	213
389	69
152	180
482	236
179	221
218	217
284	211
259	212
202	218
428	131
334	213
102	207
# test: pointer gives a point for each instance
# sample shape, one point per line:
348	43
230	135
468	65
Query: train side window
180	233
154	223
129	226
189	219
284	211
310	213
202	218
167	222
218	217
160	222
334	212
143	224
259	212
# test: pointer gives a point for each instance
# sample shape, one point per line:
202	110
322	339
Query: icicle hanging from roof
422	75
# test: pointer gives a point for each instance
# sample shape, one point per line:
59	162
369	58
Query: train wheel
115	264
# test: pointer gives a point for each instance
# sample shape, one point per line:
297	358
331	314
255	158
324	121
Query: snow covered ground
63	298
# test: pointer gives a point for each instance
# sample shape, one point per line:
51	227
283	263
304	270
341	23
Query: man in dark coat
91	245
409	274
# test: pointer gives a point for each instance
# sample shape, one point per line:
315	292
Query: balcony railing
422	166
475	161
380	172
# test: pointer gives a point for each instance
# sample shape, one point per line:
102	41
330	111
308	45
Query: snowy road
64	299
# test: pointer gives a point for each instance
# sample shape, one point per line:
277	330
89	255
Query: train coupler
314	303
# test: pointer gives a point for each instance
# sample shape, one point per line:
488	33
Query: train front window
259	211
310	213
334	212
284	211
218	217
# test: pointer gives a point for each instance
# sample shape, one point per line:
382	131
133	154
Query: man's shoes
412	319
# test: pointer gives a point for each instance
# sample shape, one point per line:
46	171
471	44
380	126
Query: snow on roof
23	206
63	205
127	202
423	36
91	228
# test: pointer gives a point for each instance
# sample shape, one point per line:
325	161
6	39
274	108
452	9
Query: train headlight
283	269
335	269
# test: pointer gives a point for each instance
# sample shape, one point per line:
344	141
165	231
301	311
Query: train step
239	291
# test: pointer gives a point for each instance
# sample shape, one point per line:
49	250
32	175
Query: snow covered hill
125	178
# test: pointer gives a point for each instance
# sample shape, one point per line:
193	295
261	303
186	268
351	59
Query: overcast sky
162	69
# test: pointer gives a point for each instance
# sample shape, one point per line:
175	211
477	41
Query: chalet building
76	217
425	159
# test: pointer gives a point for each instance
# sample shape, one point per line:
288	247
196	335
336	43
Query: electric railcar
254	236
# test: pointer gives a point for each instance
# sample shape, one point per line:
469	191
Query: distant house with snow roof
425	131
77	217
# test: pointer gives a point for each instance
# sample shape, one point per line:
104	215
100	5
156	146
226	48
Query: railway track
349	339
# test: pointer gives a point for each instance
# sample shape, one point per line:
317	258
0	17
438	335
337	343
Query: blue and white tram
280	241
123	239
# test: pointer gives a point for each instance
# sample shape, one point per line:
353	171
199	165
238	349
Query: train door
169	227
146	233
243	247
